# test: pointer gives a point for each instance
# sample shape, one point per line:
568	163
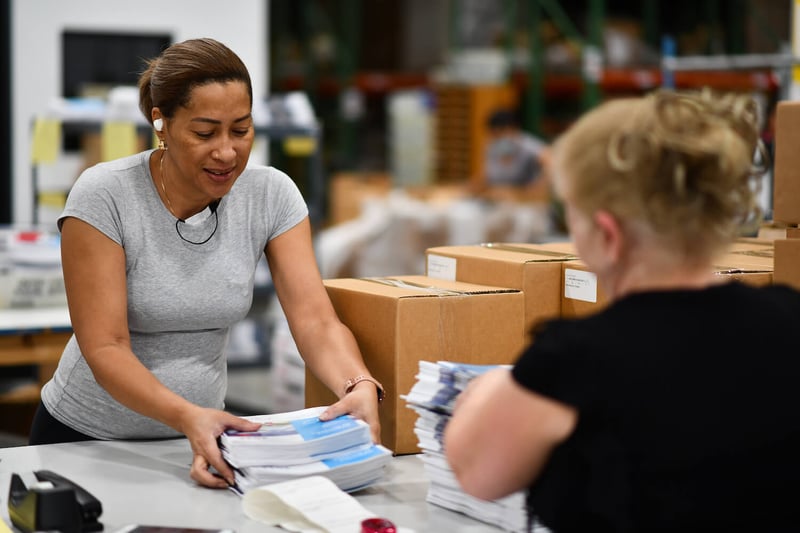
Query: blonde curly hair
680	163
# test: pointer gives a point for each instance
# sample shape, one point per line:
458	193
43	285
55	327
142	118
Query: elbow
476	485
468	471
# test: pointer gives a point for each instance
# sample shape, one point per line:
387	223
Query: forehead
218	99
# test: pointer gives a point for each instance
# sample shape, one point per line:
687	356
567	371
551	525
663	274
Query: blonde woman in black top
674	408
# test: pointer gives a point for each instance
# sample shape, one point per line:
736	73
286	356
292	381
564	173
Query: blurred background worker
514	157
515	173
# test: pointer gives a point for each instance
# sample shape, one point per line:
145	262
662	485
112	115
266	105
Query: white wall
36	53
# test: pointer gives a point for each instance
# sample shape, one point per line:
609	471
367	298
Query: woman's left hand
361	402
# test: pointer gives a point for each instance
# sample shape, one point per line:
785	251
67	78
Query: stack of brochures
432	396
297	444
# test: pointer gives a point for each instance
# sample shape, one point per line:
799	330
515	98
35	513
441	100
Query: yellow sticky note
52	199
46	140
299	146
118	139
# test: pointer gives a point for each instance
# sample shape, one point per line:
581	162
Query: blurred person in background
514	176
513	158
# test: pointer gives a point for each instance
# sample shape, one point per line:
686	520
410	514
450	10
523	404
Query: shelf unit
548	100
287	133
461	132
29	338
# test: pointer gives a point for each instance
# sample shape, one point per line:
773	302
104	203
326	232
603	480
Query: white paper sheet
311	504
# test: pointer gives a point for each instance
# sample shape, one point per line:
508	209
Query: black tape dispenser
52	502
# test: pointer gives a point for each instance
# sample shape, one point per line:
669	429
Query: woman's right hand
202	426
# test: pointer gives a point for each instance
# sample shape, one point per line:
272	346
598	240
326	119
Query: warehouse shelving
549	99
306	137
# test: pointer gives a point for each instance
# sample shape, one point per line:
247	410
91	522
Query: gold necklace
163	187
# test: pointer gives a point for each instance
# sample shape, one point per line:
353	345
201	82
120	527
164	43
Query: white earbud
158	124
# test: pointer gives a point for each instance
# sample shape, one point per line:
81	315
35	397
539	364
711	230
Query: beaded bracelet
350	384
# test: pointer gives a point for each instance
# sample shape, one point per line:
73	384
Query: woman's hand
202	426
361	402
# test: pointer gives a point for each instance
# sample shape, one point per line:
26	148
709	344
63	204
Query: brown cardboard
786	188
349	191
567	247
787	262
773	232
535	269
583	295
754	266
401	320
745	244
764	258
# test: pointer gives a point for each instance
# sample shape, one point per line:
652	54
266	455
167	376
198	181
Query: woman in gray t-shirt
159	254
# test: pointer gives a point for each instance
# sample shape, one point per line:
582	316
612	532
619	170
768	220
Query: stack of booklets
433	396
297	444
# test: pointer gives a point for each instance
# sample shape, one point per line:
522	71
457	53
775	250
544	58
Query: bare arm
95	279
326	344
501	435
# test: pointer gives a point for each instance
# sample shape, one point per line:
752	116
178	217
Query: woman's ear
157	118
611	235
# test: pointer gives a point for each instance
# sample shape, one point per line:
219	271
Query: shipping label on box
400	320
580	285
581	292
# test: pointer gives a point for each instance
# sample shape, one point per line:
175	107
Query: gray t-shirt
182	297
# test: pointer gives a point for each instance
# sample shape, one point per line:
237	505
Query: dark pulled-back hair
503	118
168	79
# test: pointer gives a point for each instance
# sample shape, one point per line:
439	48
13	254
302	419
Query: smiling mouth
220	174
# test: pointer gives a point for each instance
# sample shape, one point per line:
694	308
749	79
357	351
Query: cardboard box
763	258
401	320
754	266
583	295
535	269
349	191
786	188
787	262
773	232
745	244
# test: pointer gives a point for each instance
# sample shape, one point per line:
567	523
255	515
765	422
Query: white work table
37	319
148	483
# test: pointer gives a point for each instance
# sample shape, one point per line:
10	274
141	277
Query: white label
441	267
580	285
